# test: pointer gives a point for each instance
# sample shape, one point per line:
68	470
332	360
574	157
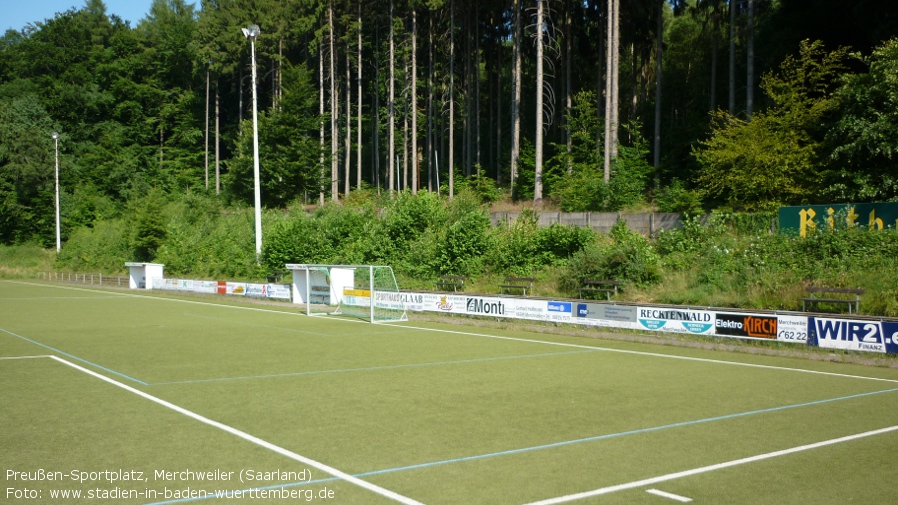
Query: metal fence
95	279
648	223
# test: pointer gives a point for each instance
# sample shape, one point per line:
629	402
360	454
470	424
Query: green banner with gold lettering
804	219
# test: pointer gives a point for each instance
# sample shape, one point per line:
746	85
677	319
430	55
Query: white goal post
367	292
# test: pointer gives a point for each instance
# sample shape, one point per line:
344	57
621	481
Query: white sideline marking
250	438
672	496
532	341
24	357
710	468
655	354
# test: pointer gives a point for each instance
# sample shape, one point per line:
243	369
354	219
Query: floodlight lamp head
54	135
251	31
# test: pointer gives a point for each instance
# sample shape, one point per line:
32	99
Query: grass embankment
723	261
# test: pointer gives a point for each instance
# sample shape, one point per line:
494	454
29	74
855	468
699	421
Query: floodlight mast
251	32
55	136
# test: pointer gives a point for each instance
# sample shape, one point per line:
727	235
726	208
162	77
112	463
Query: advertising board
391	300
849	335
278	291
189	285
600	314
357	297
792	329
699	322
754	326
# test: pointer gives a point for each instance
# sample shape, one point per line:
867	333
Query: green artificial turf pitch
340	411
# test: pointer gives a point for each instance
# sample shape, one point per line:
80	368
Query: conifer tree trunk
375	130
538	174
335	182
430	157
348	138
732	90
615	96
405	133
217	142
657	144
359	111
498	121
469	102
414	102
477	93
715	42
207	130
516	97
750	64
392	114
609	87
451	99
568	103
321	120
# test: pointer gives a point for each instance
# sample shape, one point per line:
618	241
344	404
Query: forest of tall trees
595	105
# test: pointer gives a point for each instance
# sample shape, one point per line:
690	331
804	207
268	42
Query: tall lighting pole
252	32
56	149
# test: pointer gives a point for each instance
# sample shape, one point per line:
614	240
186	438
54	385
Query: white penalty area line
25	357
710	468
654	354
249	438
664	494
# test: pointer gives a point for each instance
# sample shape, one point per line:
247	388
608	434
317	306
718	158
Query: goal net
367	292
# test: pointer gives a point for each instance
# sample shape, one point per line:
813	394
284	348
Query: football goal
367	292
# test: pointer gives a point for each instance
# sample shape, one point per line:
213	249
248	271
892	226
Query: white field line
160	298
654	354
517	339
710	468
98	297
250	438
25	357
658	492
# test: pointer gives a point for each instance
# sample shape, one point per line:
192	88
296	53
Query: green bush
514	246
296	240
628	257
466	238
150	227
558	243
677	198
104	248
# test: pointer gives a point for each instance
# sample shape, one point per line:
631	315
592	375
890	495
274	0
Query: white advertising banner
848	334
600	314
677	320
278	291
792	329
193	286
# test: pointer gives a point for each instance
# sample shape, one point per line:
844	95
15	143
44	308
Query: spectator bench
517	283
599	286
818	295
456	282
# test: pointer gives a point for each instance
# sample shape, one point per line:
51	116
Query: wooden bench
456	282
276	276
814	300
595	286
517	283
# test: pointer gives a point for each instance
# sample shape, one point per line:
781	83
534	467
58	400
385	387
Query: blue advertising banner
890	330
852	335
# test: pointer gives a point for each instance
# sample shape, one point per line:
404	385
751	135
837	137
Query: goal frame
338	279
